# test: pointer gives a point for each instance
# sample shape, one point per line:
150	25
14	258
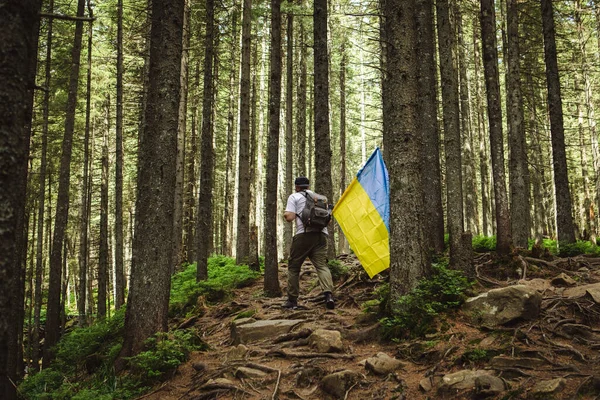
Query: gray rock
563	280
504	305
489	385
382	364
549	387
338	383
326	341
593	290
517	362
464	379
539	284
238	352
259	330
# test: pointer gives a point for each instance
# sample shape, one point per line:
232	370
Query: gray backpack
316	214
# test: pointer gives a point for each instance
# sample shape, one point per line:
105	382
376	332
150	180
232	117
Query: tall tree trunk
62	200
492	84
103	248
486	206
181	135
518	170
191	177
591	120
119	275
227	225
302	169
460	250
243	246
18	57
433	222
468	157
322	142
271	283
204	231
564	217
39	258
148	301
253	260
408	251
83	255
342	242
289	134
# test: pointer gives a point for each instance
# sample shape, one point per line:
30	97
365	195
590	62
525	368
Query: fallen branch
348	391
282	353
276	385
301	334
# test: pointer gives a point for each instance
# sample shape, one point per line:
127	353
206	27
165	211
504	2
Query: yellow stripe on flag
364	228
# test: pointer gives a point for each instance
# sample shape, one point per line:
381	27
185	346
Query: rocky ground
535	333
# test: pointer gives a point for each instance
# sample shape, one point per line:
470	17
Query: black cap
301	181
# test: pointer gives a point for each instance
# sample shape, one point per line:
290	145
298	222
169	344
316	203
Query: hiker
310	241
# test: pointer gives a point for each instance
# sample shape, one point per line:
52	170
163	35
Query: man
306	244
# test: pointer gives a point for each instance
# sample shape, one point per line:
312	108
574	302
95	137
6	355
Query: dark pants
314	246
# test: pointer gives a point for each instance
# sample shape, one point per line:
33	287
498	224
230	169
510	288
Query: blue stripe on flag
373	177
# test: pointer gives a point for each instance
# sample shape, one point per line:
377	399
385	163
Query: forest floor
521	355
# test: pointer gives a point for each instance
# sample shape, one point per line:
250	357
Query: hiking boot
329	302
291	303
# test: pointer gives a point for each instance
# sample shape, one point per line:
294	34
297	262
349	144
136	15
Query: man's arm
289	216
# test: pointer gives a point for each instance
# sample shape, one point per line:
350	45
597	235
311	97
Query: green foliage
338	269
578	248
165	351
83	351
482	244
414	314
476	355
40	385
569	249
223	276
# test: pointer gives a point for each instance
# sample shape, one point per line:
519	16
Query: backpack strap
306	196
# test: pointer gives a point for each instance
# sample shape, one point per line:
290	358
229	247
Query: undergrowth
414	314
482	244
84	358
224	275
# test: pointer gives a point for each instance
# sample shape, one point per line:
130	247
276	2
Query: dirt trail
292	370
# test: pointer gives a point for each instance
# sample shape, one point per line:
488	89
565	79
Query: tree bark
459	252
468	157
119	275
518	170
253	261
492	84
433	221
243	228
204	230
19	21
322	143
227	222
408	249
342	242
271	283
103	250
289	133
62	201
178	205
564	218
302	169
148	301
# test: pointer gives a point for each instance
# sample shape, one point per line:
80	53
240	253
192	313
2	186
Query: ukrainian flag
363	213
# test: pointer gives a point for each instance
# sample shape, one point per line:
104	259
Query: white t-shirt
296	204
